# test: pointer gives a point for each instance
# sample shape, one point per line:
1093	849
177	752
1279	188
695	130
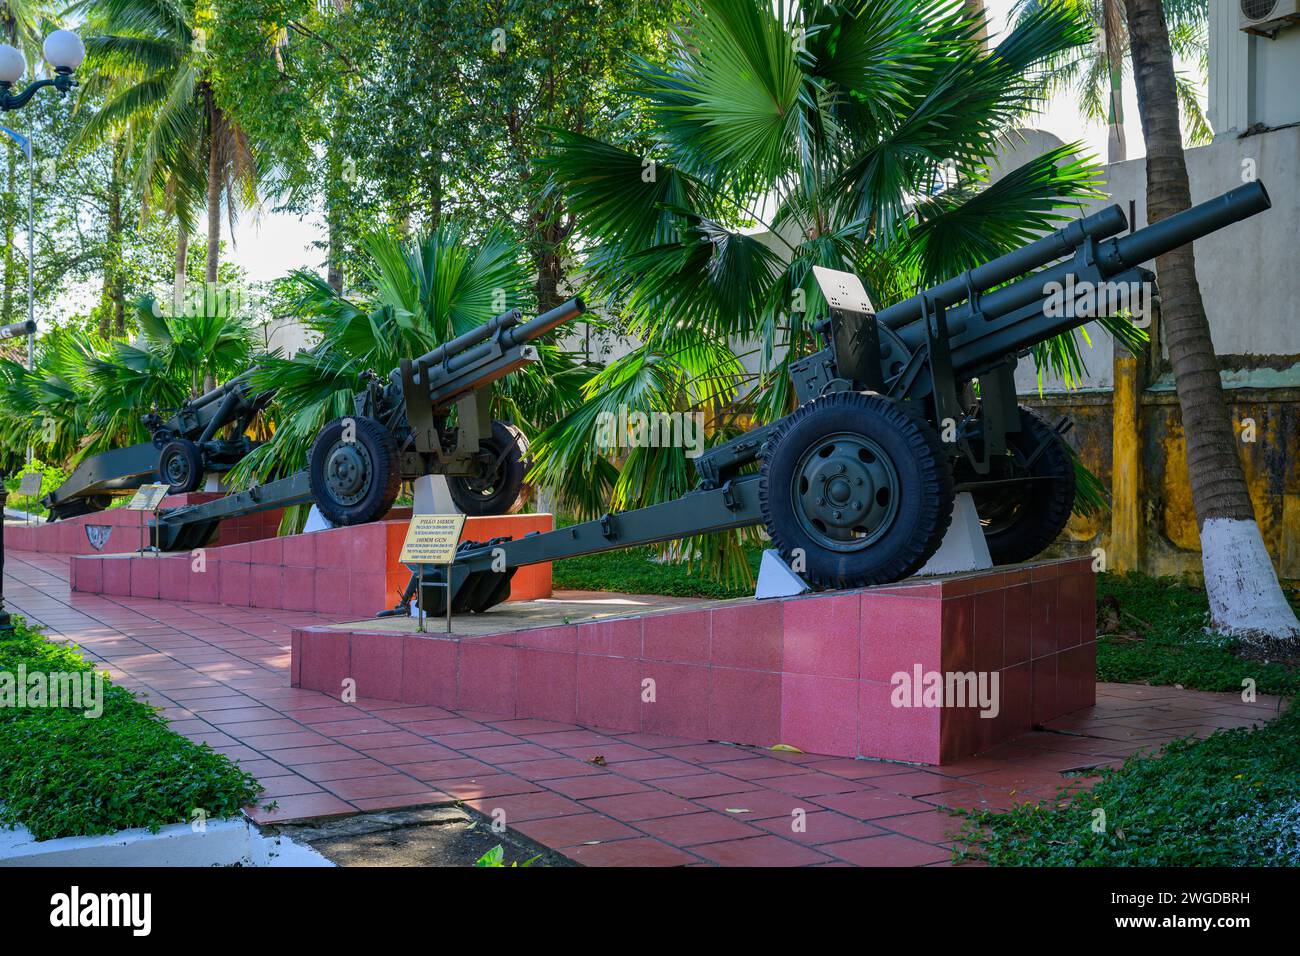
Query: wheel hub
176	469
846	492
347	472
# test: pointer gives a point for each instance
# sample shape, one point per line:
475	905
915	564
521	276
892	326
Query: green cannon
431	416
183	448
403	428
903	408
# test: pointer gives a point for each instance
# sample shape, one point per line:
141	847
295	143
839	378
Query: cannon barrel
980	342
221	391
1063	242
488	339
471	338
482	355
17	329
1200	220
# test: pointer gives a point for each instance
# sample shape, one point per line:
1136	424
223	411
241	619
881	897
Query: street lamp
63	50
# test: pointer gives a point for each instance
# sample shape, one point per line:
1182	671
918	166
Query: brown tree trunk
1232	550
214	211
182	256
114	309
976	9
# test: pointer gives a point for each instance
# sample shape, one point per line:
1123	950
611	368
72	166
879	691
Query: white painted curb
222	843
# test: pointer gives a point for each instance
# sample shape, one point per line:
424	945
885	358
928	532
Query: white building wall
1253	79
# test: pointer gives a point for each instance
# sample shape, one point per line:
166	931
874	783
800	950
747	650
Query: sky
271	245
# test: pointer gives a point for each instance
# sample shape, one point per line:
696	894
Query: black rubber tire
505	494
378	481
1019	524
924	473
188	461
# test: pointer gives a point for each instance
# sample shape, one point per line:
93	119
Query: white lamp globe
12	64
64	50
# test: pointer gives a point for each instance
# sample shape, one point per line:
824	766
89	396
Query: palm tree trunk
113	319
1112	26
182	255
975	8
1245	599
214	211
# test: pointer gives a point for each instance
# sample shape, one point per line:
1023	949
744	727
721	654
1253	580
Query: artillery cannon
856	486
183	448
402	428
431	416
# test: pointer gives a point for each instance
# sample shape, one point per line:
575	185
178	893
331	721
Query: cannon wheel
500	492
1021	520
180	465
354	470
858	488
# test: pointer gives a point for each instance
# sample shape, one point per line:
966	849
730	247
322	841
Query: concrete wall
1248	275
1253	80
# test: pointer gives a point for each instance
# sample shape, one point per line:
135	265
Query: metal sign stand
419	603
431	539
147	499
419	598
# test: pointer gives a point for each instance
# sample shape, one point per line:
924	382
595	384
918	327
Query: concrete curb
222	843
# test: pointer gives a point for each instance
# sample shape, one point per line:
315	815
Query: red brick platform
354	571
118	530
824	673
221	675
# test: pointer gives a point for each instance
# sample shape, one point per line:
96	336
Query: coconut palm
853	136
150	64
1095	73
418	293
1245	598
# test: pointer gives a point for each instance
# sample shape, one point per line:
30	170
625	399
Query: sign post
30	487
147	499
432	539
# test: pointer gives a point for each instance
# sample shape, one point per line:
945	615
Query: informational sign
148	498
432	539
30	486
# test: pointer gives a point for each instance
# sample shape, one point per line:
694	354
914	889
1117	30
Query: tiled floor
603	799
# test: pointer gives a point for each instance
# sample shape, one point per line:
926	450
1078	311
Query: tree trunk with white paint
1246	600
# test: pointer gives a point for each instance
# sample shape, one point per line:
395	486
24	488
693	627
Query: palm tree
1245	598
153	73
88	394
46	408
418	293
1095	72
852	136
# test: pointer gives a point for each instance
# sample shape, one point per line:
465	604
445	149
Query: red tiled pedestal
343	571
118	530
826	673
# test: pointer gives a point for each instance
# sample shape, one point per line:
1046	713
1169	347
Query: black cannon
403	428
183	448
429	417
902	409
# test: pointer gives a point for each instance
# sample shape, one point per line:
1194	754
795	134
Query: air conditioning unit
1266	17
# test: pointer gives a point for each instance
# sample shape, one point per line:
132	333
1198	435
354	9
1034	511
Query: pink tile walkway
600	798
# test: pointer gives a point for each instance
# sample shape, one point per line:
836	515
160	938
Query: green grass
634	572
1153	632
65	774
1232	799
